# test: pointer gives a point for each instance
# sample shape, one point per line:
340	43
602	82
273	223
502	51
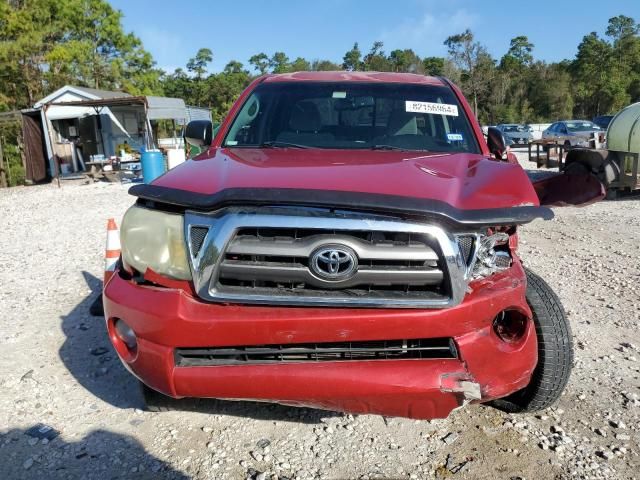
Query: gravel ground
58	369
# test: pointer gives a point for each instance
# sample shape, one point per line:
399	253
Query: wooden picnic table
544	160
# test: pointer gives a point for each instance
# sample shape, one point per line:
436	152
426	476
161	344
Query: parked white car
571	133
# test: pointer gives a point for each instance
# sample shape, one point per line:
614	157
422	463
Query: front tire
555	351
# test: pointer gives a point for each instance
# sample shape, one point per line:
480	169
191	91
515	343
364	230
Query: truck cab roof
339	76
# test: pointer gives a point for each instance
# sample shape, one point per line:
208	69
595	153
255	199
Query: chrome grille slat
393	295
262	255
275	272
296	247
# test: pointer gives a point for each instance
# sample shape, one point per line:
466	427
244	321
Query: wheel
555	351
155	401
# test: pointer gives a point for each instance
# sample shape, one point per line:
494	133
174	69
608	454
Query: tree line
45	44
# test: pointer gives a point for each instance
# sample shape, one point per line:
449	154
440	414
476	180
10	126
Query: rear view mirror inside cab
352	103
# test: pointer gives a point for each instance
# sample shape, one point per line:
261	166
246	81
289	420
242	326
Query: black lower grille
430	348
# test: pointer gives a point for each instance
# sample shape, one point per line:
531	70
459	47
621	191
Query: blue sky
174	31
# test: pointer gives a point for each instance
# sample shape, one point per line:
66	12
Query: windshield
349	115
516	128
581	126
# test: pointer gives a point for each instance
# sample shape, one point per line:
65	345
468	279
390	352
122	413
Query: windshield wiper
387	147
278	144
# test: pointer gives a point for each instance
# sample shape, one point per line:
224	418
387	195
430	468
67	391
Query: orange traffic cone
112	252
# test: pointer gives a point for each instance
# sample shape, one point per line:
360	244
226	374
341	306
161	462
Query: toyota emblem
334	262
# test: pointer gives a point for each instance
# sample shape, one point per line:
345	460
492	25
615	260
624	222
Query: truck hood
461	180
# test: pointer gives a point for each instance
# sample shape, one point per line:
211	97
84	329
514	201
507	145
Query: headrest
402	123
305	117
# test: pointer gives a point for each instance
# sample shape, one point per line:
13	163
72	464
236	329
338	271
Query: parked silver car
519	133
571	133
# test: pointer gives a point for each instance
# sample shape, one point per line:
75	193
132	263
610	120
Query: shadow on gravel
90	358
254	410
628	196
101	454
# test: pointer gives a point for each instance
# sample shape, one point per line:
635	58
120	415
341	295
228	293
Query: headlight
155	240
492	255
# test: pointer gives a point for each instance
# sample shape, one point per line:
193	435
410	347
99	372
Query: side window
552	128
562	128
242	131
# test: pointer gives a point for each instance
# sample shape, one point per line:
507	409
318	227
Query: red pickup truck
346	241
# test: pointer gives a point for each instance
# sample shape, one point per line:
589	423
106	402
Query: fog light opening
510	326
125	334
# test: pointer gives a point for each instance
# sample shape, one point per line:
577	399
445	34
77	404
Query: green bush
9	134
13	165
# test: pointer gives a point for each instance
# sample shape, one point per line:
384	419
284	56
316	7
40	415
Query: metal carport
155	108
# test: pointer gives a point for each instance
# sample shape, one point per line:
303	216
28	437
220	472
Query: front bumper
486	368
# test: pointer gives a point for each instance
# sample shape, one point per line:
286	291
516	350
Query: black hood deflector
157	196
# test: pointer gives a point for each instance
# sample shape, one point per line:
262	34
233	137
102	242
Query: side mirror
199	133
496	142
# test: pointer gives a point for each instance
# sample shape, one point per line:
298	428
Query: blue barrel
152	165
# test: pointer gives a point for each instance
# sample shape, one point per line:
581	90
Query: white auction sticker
433	108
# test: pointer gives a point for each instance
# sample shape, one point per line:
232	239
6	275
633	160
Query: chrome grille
266	256
280	258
